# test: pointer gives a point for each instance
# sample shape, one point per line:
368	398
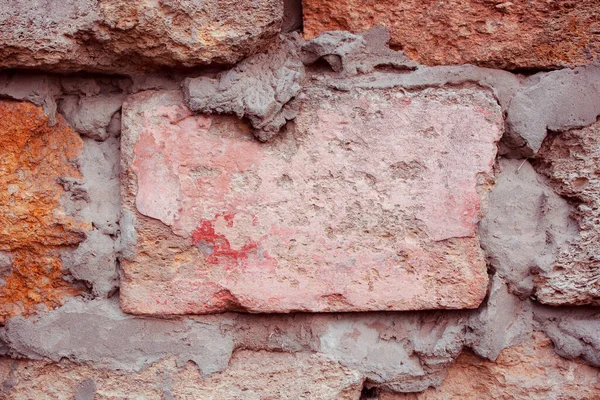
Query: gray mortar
263	87
502	322
39	89
99	332
503	84
525	226
95	84
404	352
570	161
76	85
91	116
114	126
352	54
95	259
5	267
398	351
91	108
573	330
128	238
260	88
154	82
556	101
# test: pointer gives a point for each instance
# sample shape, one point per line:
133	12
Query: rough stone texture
536	34
554	101
368	199
90	85
118	36
527	371
46	89
407	352
253	375
525	228
34	227
344	214
570	160
259	88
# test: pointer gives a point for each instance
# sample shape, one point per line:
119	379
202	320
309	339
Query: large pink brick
370	201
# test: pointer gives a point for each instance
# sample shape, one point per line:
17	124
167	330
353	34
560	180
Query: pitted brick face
115	36
537	34
370	203
34	227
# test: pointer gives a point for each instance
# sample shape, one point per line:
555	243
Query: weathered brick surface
369	203
251	375
530	370
520	34
117	36
570	160
34	227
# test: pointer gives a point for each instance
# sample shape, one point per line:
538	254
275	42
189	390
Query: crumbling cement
385	348
355	54
502	322
5	267
354	58
92	116
91	105
95	259
403	352
263	87
574	331
525	227
85	332
39	89
259	88
555	101
570	161
503	84
540	243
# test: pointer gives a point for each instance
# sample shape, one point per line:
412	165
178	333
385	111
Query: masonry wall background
431	172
